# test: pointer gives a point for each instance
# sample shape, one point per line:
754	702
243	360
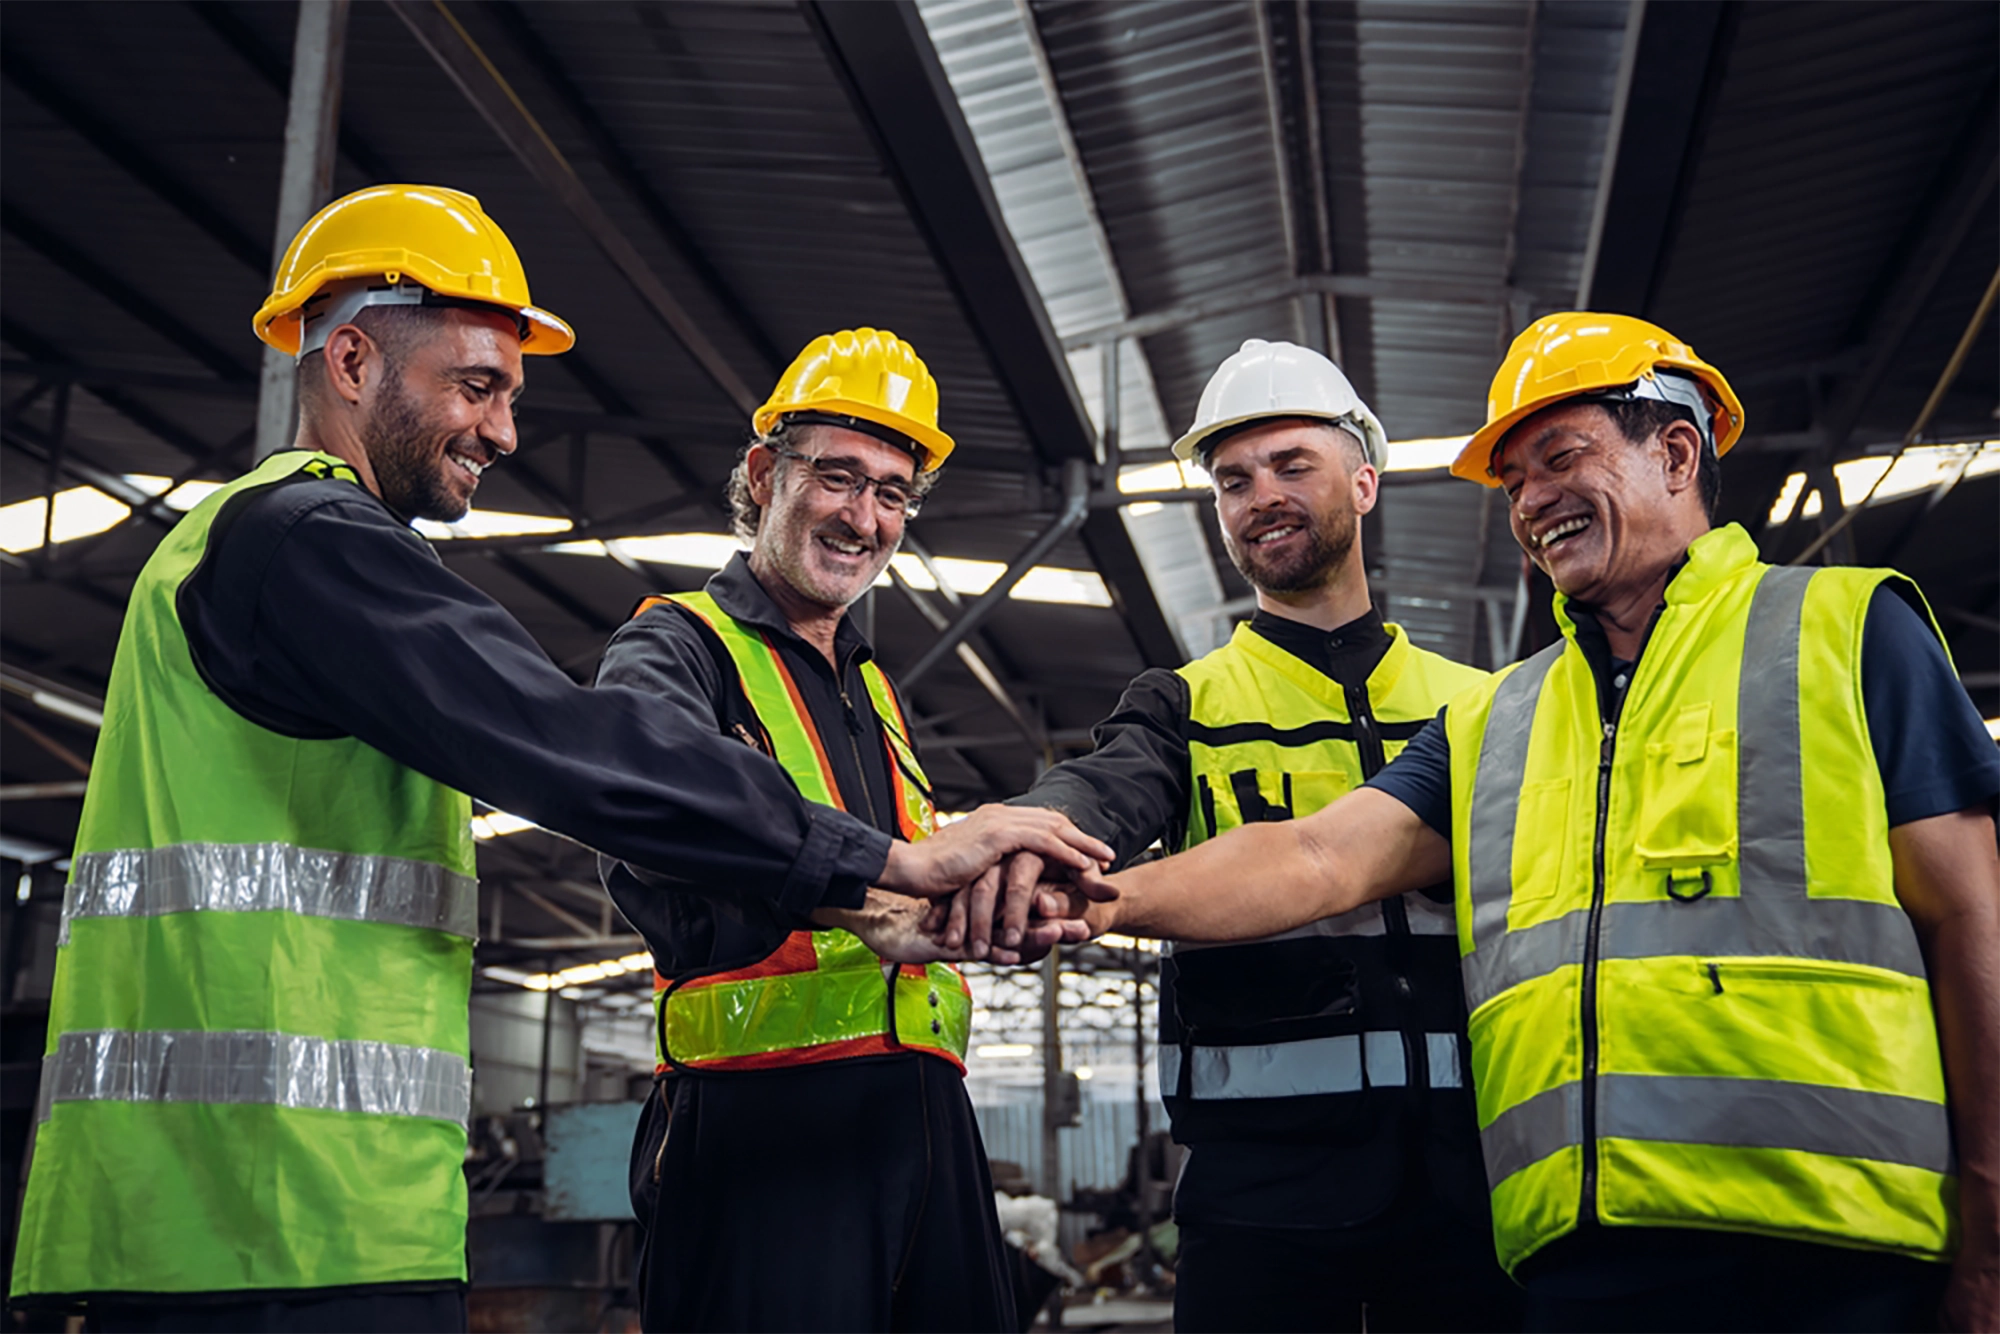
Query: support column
1052	1075
305	184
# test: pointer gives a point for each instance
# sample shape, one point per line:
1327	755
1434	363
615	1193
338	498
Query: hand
894	926
1972	1295
961	853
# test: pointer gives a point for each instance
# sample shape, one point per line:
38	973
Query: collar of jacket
1347	653
736	590
1718	555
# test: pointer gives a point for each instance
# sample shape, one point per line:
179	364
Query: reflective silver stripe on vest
1426	917
1530	1131
1343	1064
1772	918
270	877
1857	931
1738	1113
1496	797
272	1069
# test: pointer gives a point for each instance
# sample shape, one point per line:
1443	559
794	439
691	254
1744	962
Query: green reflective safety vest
821	995
1251	1031
257	1066
1695	999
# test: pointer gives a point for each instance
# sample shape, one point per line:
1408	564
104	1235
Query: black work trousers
1433	1272
852	1195
306	1311
1681	1279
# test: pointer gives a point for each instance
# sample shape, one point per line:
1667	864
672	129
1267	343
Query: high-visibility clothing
1265	1038
257	1066
1695	999
821	995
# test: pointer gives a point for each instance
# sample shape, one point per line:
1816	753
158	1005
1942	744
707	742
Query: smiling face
1290	494
441	411
828	546
1604	517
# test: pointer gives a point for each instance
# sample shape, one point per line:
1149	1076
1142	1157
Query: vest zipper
1589	1015
1608	716
1395	916
854	732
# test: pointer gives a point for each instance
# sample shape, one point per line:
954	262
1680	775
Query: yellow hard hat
861	378
413	240
1583	354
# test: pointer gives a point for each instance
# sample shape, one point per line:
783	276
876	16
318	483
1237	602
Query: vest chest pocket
1541	839
1687	795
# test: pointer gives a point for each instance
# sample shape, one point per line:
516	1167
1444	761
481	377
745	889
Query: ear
761	467
1367	488
1680	449
350	363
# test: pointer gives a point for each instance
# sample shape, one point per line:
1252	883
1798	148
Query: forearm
1275	877
1964	962
1948	880
1265	878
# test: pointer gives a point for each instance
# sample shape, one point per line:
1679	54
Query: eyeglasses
893	495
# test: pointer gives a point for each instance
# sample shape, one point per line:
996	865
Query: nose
496	428
1265	490
1537	493
860	512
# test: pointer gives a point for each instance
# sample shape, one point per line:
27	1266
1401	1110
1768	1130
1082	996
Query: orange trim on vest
805	717
795	955
843	1050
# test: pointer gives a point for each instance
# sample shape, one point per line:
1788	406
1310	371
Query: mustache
1275	520
843	531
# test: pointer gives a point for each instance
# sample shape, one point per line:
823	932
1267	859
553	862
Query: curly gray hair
745	514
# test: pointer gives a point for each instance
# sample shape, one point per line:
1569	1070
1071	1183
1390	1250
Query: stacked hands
1006	884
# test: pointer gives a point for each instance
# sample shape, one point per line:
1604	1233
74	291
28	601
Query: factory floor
1140	1315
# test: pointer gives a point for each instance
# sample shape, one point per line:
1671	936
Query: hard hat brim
1473	461
1189	447
277	321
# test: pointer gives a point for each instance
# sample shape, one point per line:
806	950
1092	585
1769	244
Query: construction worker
254	1096
823	1169
1728	898
1317	1077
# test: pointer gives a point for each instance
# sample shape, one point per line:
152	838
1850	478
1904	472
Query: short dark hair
1640	419
395	329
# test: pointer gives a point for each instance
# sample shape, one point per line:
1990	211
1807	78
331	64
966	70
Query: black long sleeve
318	612
1133	787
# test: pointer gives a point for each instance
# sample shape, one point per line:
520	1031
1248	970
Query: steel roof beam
529	46
1959	196
139	414
120	293
274	70
128	157
1443	291
899	90
1677	71
440	34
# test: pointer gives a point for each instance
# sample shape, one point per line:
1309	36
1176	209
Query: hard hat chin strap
338	304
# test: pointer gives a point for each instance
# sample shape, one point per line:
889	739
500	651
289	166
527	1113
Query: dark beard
398	441
1326	548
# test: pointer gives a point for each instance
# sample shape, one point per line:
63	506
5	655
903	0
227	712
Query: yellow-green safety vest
257	1071
821	995
1271	738
1695	999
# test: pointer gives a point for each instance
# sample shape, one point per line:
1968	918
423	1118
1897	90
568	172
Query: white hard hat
1281	380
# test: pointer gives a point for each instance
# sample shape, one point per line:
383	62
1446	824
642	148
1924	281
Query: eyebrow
499	373
1283	456
1529	446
